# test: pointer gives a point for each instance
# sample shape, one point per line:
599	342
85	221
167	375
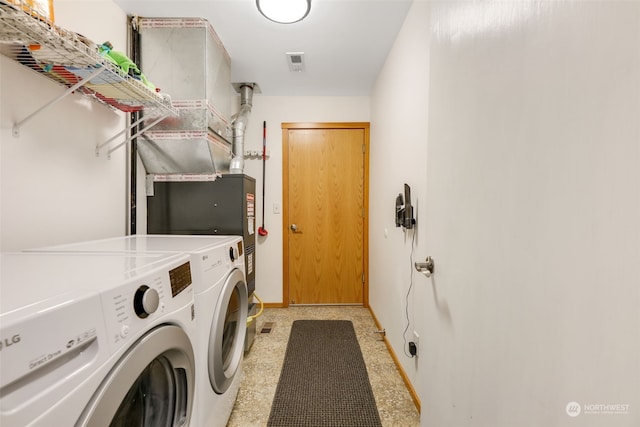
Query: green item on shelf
124	62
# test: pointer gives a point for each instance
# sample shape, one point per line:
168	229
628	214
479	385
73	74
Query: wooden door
324	213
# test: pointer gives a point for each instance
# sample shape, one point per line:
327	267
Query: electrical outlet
416	340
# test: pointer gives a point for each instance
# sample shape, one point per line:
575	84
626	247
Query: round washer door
151	385
228	330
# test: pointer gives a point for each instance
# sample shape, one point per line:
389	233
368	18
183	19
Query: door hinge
363	278
364	148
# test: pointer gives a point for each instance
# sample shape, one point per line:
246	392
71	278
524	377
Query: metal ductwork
239	124
185	57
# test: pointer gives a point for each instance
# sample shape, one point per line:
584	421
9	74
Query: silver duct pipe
239	125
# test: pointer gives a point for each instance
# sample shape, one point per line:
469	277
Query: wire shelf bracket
18	125
129	137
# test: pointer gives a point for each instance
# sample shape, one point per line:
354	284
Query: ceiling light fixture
284	11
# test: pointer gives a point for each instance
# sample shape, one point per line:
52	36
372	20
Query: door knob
294	228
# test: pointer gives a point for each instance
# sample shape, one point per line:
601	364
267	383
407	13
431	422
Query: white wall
399	155
53	187
533	202
275	111
526	118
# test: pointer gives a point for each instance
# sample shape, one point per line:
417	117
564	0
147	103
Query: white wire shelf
73	61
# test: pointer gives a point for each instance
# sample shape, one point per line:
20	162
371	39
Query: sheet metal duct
167	153
185	59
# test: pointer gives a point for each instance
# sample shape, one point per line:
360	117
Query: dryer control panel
236	252
212	266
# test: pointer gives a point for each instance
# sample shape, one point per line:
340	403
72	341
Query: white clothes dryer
96	339
221	306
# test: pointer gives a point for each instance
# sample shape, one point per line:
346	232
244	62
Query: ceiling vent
295	61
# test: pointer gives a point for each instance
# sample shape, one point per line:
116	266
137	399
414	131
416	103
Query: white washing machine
220	305
96	339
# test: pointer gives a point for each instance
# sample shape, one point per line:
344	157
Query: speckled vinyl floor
264	361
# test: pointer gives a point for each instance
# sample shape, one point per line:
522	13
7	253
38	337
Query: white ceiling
345	42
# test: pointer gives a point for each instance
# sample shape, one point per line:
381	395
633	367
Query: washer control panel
130	309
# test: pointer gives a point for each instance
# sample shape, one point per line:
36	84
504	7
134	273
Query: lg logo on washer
6	342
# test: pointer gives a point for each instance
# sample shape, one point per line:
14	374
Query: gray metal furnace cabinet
225	206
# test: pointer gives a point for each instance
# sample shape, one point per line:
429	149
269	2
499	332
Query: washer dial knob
145	301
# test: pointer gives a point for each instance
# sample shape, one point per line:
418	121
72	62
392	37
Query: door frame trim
285	200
